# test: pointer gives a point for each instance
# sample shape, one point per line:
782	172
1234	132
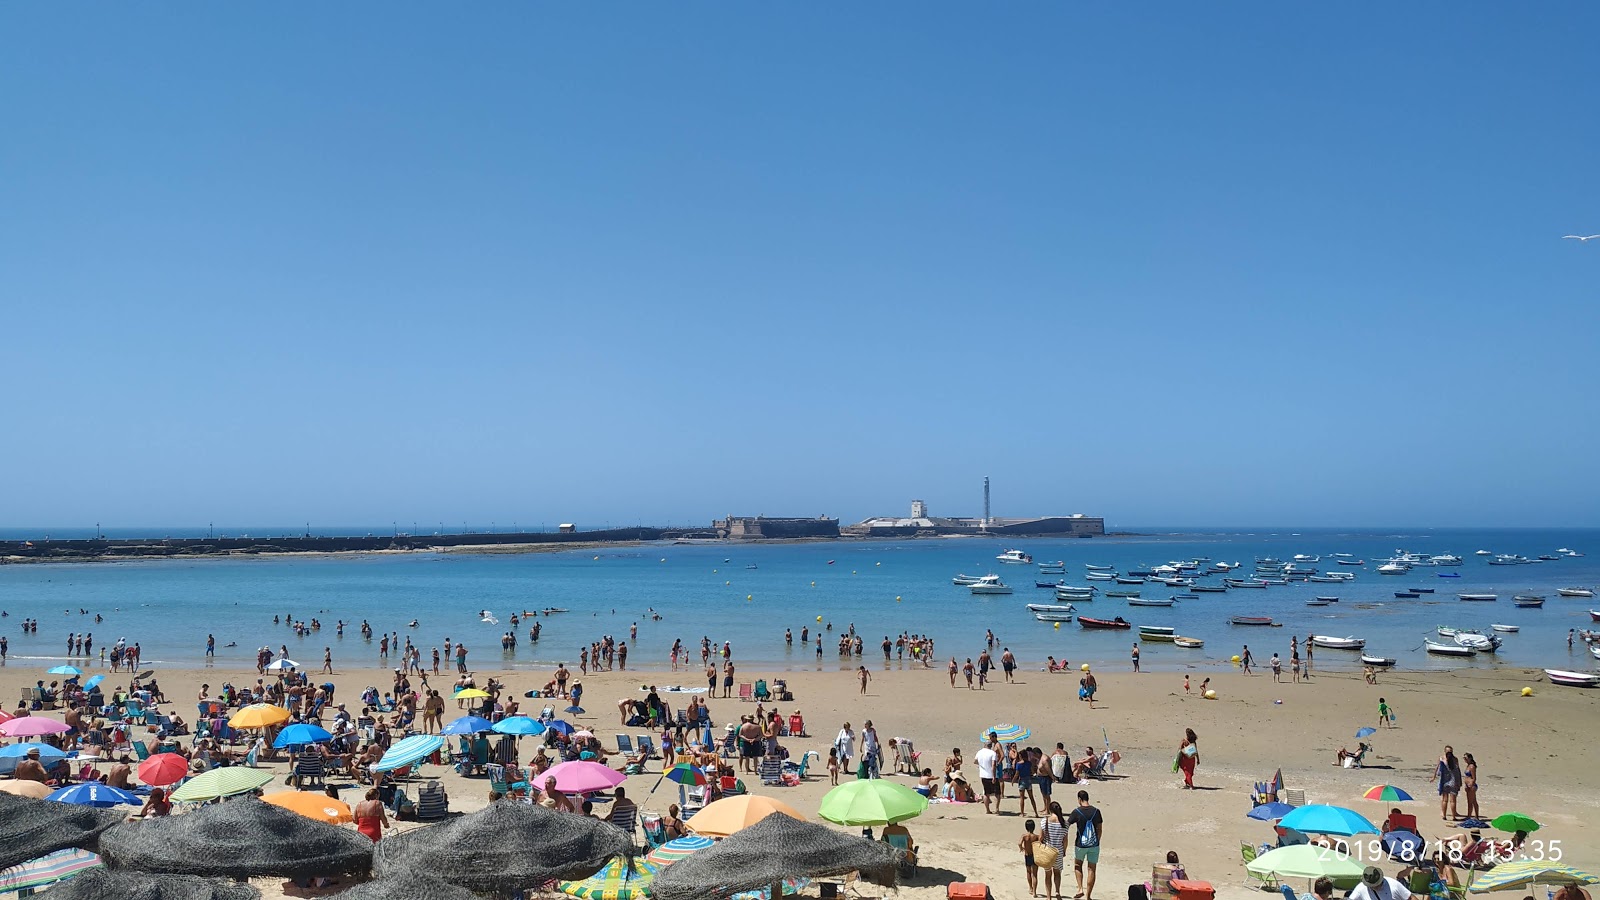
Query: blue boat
1448	574
1422	590
1407	595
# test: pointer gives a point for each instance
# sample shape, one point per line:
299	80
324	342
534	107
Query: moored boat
1250	620
1146	630
965	580
1052	568
1316	603
1117	622
1048	584
1015	557
1382	662
1236	583
1572	679
1448	574
1594	614
1095	568
1507	629
989	584
1449	649
1124	579
1209	588
1123	595
1149	601
1482	643
1338	643
1189	643
1100	576
1053	617
1406	595
1529	602
1575	592
1050	607
1423	590
1478	598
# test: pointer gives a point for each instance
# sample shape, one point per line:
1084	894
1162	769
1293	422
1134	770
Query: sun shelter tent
767	853
406	886
237	839
105	884
503	847
31	828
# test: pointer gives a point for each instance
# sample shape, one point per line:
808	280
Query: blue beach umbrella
518	725
92	793
1365	731
47	753
1267	812
300	733
468	725
559	727
64	670
409	751
93	682
1321	819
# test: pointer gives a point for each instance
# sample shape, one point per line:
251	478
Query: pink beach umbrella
581	777
32	726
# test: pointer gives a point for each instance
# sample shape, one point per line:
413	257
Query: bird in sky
1580	237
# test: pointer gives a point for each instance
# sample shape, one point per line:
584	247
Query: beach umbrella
1406	845
282	664
259	715
313	805
1388	793
733	814
771	851
582	735
93	682
242	838
60	868
503	848
1306	861
1511	821
218	783
163	769
684	773
582	777
38	790
470	694
1267	812
1365	731
623	878
106	884
468	725
409	751
678	848
790	886
47	753
31	828
1517	875
5	716
559	727
406	886
519	726
33	726
1006	733
93	793
1321	819
64	670
874	801
301	733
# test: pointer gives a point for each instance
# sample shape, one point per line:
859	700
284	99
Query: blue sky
1181	263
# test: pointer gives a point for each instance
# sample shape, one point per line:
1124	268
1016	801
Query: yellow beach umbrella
38	790
259	715
313	805
470	694
731	814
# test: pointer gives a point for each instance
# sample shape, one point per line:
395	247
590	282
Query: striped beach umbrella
684	773
790	886
93	793
1388	793
218	783
621	879
409	751
1006	733
678	848
1518	875
47	869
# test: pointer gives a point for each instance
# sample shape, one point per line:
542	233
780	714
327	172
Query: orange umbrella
730	814
38	790
259	715
313	805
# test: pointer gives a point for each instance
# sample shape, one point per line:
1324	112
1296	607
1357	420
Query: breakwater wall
134	548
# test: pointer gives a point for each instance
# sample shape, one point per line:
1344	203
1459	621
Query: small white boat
1053	617
1052	568
1150	601
1317	602
1482	643
1050	607
1157	629
1507	629
1449	649
1095	568
965	580
990	584
1448	632
1393	568
1382	662
1343	576
1594	650
1572	679
1575	592
1189	643
1338	643
1100	576
1016	557
1478	598
1484	553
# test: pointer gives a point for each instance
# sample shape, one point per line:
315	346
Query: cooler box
968	890
1192	890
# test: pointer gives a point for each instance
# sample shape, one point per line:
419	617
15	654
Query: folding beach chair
901	840
797	725
624	744
308	768
626	818
655	833
140	749
780	688
1268	882
497	779
646	744
1294	796
905	757
771	770
762	693
747	691
431	803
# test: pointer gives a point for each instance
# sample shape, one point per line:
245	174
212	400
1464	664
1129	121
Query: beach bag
1045	856
863	770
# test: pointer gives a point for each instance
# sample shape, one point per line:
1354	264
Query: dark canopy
237	839
406	886
769	851
504	847
31	828
105	884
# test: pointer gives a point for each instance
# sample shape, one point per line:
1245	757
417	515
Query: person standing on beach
1245	659
327	660
211	646
1309	646
1135	656
461	657
988	762
864	676
1086	848
1469	784
727	679
1055	834
1448	773
1026	845
845	743
1385	714
1277	669
1188	757
1008	663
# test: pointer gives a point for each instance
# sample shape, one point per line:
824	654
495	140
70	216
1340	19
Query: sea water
747	594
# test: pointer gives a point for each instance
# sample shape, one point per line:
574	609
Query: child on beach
1026	845
833	765
1385	714
1186	682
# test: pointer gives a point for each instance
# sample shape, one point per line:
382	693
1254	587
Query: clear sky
1170	263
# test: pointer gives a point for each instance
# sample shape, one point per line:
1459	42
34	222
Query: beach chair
308	768
682	720
646	745
763	694
730	746
905	757
254	756
141	749
901	840
432	804
497	779
781	689
771	770
797	725
1268	882
624	744
747	691
655	833
704	721
626	818
1103	766
1294	796
732	786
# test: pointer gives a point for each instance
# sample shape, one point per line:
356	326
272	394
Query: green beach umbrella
218	783
1306	861
1518	875
1514	821
872	801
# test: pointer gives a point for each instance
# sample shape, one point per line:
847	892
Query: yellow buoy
1211	695
1058	626
1236	659
748	596
1527	692
1085	665
819	618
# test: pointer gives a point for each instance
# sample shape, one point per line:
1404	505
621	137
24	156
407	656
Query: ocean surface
748	595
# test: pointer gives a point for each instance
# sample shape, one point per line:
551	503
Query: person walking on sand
988	762
1188	757
1245	659
1385	714
327	660
845	743
1055	834
1309	648
1086	848
953	668
1008	662
1026	845
863	676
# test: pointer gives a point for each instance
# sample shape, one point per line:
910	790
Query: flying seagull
1580	237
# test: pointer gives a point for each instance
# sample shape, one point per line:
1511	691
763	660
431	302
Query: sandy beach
1534	753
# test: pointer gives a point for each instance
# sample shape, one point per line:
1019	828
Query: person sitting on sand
1178	871
925	783
1082	767
960	791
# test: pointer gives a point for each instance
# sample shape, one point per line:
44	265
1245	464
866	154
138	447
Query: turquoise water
882	588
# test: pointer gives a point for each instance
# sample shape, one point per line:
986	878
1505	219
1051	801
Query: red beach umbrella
163	769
